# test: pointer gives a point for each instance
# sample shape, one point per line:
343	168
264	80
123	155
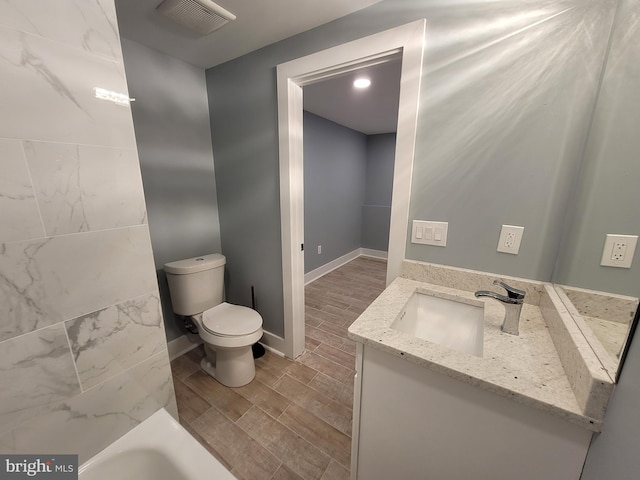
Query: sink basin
454	323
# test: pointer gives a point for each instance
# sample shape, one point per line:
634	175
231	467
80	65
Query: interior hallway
294	420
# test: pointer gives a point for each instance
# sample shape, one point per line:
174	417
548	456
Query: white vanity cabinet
412	422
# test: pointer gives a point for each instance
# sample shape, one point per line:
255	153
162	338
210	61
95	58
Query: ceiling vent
202	16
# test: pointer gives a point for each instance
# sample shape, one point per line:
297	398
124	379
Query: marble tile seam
149	293
88	232
78	144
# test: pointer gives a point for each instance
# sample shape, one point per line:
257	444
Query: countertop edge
580	420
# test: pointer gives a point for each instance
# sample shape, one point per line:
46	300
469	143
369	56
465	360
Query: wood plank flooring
294	420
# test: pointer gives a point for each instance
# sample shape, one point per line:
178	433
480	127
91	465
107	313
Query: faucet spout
512	302
498	296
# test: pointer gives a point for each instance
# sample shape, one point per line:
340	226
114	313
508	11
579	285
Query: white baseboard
368	252
181	345
340	261
273	343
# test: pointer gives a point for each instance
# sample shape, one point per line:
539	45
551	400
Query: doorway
349	155
406	41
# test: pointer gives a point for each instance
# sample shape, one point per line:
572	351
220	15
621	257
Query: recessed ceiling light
362	83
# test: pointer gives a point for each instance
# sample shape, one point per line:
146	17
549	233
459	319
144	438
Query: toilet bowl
228	331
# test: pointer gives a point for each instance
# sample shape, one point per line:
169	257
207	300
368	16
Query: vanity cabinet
413	422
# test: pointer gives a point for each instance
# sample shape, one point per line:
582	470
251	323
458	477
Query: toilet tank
196	284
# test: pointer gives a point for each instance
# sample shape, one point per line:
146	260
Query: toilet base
232	367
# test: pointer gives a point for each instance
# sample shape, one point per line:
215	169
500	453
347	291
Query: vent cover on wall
202	16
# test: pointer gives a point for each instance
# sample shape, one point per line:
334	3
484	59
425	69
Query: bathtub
157	449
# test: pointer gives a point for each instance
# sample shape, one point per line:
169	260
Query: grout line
73	359
277	468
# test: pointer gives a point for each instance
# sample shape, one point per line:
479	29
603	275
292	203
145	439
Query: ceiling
260	23
371	111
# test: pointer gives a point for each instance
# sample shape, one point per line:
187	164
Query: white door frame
406	41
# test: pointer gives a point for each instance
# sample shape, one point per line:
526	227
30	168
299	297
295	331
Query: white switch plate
618	250
429	233
510	238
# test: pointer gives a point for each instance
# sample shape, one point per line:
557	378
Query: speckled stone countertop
526	367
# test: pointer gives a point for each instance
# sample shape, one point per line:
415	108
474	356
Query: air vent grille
202	16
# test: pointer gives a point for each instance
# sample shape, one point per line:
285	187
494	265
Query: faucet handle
511	292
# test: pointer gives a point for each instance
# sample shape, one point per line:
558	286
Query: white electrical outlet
429	233
510	238
319	249
618	250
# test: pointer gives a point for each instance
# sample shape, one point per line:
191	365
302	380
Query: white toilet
196	286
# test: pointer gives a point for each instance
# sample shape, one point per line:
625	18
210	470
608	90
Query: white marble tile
83	188
88	25
44	282
48	88
89	422
109	341
7	445
19	217
36	372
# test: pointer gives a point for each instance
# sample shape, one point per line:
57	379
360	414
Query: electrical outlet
618	250
510	239
319	249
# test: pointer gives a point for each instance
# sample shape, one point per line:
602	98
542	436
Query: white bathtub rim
163	434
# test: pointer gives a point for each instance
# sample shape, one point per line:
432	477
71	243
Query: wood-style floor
294	420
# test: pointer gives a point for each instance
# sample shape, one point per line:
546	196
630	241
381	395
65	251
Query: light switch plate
429	233
510	238
618	250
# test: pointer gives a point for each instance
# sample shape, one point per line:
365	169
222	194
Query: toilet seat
228	320
229	326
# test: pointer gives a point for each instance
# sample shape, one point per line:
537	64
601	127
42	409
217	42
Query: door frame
407	42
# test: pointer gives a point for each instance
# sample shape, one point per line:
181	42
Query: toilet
196	287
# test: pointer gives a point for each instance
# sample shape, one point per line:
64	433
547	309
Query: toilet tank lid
195	264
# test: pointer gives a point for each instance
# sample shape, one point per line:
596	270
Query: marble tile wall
83	355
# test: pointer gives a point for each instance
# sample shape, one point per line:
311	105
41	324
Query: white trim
181	345
369	252
407	40
272	350
273	343
187	342
330	266
322	270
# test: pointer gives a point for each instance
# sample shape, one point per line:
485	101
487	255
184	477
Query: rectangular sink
456	324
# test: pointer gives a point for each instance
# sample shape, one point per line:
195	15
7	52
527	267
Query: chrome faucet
512	305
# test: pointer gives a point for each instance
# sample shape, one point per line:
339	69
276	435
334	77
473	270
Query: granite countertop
526	367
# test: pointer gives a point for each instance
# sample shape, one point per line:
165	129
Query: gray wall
171	120
376	211
608	195
335	173
614	147
507	92
502	126
83	354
